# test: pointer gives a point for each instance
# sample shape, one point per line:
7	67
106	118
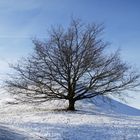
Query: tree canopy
71	64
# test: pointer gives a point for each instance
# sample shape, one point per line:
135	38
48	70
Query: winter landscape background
89	122
20	22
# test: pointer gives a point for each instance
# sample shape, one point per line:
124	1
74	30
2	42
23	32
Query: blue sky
20	21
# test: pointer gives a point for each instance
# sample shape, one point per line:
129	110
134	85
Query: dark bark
71	105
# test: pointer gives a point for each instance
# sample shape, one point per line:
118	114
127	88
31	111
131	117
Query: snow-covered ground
10	134
89	122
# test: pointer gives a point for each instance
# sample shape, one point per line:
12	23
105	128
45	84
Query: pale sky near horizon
20	21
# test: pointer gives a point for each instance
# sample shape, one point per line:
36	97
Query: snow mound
93	120
109	105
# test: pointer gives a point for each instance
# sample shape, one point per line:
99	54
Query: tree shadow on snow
9	134
83	131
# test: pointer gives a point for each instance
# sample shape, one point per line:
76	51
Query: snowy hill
89	122
107	105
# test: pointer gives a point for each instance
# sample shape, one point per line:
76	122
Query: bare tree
72	65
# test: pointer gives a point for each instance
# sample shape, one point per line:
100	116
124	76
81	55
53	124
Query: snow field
89	122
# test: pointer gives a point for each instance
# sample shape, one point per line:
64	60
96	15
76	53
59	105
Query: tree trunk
71	105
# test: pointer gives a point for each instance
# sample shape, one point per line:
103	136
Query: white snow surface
48	121
10	134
